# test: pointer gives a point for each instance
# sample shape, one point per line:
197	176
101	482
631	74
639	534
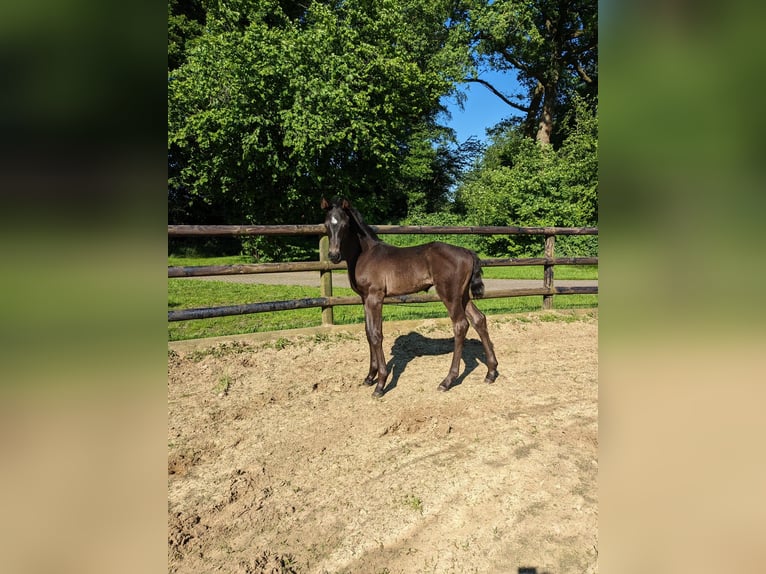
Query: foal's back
401	270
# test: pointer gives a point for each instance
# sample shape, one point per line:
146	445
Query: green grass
223	386
414	502
516	272
191	293
536	272
183	261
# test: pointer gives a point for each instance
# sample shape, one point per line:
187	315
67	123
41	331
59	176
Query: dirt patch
280	460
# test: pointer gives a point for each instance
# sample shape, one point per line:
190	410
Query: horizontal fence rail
246	269
327	301
208	270
232	230
248	308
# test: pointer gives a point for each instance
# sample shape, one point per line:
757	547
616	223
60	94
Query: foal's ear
345	204
324	204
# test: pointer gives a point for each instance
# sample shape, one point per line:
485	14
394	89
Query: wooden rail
232	230
245	269
327	301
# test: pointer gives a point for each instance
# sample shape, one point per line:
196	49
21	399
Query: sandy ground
280	460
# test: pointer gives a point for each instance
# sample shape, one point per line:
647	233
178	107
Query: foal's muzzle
334	256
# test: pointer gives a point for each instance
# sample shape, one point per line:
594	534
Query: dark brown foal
377	269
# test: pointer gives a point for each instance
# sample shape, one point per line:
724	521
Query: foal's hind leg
460	328
479	322
456	308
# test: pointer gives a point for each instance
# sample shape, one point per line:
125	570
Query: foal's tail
477	285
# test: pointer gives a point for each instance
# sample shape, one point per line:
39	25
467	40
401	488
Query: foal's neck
361	239
356	243
366	242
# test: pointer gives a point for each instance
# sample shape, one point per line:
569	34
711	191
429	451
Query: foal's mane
364	229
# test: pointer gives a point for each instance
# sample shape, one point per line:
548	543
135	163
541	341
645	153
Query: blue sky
482	109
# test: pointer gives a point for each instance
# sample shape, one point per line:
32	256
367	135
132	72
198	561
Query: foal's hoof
369	381
490	378
443	388
377	393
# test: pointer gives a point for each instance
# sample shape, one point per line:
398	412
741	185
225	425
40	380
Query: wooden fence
327	301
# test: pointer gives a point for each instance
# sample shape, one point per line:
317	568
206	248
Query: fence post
325	279
550	245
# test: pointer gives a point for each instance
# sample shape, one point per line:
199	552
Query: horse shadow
412	345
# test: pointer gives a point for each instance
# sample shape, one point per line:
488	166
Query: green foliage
414	502
273	104
186	19
279	248
551	45
442	218
272	109
520	182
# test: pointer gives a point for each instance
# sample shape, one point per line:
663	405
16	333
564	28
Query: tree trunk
545	125
530	123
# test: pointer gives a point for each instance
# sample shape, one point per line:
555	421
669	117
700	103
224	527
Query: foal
377	269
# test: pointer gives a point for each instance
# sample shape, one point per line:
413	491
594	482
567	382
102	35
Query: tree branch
515	62
586	78
503	50
492	89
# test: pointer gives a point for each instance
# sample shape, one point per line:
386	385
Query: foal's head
338	223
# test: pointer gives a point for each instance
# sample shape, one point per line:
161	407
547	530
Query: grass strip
192	293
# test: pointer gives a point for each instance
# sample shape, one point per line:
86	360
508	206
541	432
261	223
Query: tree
272	109
186	21
552	45
520	182
540	169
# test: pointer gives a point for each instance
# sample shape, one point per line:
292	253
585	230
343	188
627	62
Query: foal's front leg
373	321
372	374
